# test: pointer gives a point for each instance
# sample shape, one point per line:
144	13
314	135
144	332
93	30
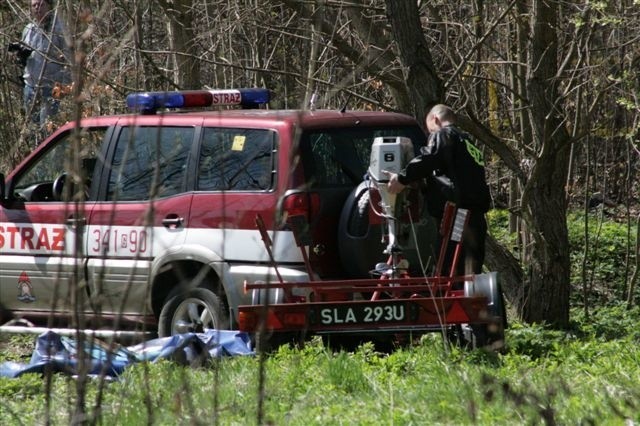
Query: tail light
305	204
299	209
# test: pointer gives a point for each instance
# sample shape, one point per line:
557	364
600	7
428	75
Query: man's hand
394	186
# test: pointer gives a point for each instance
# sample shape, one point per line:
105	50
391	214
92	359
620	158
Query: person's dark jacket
454	171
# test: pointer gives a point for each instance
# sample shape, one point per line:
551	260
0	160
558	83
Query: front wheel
192	310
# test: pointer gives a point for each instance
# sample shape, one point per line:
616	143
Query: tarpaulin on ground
59	354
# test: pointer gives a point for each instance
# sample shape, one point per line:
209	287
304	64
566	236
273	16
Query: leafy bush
498	223
615	321
533	341
606	268
606	264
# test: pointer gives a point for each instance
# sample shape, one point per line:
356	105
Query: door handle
172	221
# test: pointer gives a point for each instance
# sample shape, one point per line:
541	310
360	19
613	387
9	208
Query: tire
195	309
489	335
360	243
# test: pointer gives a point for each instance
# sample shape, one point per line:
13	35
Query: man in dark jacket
453	168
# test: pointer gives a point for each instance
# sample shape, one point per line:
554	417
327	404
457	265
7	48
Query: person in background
46	58
454	171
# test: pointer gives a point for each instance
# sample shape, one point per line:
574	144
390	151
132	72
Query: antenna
312	101
344	107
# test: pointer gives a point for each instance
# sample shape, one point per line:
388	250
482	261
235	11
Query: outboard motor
374	223
389	155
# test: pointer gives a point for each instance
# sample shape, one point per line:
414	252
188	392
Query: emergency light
149	102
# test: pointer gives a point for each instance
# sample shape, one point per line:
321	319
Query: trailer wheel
188	310
489	335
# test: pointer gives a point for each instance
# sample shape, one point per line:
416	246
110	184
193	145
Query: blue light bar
149	102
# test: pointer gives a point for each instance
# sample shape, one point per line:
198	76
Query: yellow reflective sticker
238	143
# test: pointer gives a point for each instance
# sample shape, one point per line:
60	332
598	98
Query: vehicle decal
141	242
225	97
31	238
119	240
25	289
238	143
144	242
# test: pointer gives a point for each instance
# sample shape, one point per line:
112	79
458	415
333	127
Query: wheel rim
192	315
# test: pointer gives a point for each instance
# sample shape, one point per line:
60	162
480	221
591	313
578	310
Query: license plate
361	314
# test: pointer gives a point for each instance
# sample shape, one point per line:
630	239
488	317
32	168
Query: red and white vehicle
150	218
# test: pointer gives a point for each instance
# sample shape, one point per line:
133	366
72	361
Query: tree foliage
549	87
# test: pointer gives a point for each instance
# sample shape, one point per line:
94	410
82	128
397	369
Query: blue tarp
59	354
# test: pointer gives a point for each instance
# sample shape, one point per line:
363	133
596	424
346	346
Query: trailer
390	305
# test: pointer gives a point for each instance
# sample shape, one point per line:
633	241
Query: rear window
236	160
340	157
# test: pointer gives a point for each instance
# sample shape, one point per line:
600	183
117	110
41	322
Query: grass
587	376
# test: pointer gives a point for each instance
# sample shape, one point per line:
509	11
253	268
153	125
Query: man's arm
422	166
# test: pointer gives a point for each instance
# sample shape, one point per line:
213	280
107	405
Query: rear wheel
196	309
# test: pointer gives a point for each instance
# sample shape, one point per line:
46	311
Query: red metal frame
393	303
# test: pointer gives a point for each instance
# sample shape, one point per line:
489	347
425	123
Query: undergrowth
586	375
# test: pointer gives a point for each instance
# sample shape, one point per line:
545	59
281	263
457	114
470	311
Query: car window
236	160
61	156
149	162
340	157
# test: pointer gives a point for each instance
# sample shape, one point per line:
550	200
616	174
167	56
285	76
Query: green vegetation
602	268
584	376
606	269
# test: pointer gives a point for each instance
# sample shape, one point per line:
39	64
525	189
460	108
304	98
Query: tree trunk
423	84
547	278
180	17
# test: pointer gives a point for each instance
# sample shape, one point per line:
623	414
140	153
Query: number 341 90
118	241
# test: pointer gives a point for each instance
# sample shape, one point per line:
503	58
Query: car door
42	225
142	214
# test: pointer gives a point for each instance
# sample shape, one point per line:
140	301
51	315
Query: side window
149	162
36	182
236	160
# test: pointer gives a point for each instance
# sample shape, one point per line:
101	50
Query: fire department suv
150	218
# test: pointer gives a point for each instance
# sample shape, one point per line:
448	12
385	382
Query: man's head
439	116
40	9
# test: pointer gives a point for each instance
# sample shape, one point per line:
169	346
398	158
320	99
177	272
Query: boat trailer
469	308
